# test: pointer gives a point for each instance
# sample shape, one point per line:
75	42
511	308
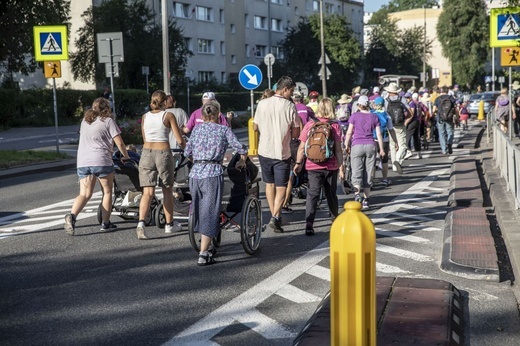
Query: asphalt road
110	288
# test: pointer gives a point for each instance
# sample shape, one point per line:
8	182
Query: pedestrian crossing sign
51	43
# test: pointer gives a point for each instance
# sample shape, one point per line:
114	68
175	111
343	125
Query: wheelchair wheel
157	215
251	226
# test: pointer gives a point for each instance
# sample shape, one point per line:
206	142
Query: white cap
375	90
208	96
415	96
362	100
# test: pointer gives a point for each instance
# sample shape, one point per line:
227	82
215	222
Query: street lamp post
424	51
323	63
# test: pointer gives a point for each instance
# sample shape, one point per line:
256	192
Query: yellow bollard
253	138
481	115
353	278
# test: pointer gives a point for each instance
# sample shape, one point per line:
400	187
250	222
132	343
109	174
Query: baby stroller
127	191
240	196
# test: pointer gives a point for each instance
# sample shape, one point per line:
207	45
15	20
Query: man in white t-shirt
180	116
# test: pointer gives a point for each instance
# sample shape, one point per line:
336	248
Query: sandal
205	260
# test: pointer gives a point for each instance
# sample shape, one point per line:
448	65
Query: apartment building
224	35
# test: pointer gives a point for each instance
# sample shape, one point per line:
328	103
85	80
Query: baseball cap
297	95
375	90
379	101
363	100
208	95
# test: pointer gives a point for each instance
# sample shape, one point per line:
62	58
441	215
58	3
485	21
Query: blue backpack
383	121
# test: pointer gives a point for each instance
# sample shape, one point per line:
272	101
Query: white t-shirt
96	142
182	119
275	117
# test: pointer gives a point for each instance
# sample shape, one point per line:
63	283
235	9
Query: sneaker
175	226
275	224
357	198
140	231
286	210
108	226
418	156
408	154
365	205
450	150
386	182
70	224
205	259
230	227
398	167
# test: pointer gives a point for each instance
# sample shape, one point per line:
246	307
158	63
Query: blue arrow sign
250	77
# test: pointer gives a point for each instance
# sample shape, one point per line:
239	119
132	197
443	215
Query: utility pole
323	63
165	47
424	51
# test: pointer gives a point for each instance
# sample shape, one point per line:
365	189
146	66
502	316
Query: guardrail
506	156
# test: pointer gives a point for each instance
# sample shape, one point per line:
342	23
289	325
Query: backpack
319	146
343	113
383	123
447	110
396	111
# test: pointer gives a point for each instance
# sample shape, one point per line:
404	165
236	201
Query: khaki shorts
156	164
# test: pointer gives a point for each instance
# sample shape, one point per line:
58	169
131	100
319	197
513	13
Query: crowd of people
366	127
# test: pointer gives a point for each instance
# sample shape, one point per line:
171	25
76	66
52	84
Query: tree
17	19
396	50
141	43
380	16
302	50
463	31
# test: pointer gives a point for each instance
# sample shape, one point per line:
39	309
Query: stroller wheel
157	215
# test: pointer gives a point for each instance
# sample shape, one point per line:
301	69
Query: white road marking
388	269
297	295
416	217
319	272
240	307
403	253
401	236
407	225
265	326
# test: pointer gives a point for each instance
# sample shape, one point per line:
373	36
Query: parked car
489	98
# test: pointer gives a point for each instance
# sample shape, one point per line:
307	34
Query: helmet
314	95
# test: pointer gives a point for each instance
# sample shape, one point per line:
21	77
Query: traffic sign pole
55	114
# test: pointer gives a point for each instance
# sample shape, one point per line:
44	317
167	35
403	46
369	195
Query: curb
38	168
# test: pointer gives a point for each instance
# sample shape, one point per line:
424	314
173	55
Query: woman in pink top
323	174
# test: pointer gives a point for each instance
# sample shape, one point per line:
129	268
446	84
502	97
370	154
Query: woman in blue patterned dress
206	147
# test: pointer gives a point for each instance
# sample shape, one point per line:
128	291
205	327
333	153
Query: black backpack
396	111
446	109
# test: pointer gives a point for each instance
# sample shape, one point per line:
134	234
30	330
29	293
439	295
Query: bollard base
409	311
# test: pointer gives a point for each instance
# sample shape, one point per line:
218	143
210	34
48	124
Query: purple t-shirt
414	105
304	112
364	125
196	119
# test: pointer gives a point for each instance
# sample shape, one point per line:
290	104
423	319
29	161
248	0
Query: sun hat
363	100
208	95
356	90
393	88
344	99
515	85
378	101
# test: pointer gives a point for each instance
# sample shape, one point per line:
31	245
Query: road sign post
52	69
110	50
269	60
250	77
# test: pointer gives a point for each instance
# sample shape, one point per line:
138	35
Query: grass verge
14	158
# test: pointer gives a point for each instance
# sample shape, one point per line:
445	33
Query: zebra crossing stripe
264	325
407	225
403	253
410	238
297	295
388	269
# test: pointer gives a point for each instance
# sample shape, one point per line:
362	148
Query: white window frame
205	76
205	46
222	47
181	10
260	22
276	25
260	51
204	13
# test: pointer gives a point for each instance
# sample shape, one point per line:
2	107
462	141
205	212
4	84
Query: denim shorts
98	171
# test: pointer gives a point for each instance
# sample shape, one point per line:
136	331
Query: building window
246	20
221	12
328	8
205	46
316	6
188	43
181	10
277	52
276	25
233	59
206	76
223	77
260	22
248	51
276	1
204	13
233	28
222	48
260	51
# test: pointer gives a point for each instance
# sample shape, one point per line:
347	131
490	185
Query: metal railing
506	156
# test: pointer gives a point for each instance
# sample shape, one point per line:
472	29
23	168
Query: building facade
224	35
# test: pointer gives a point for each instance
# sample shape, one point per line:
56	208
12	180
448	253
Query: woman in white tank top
156	164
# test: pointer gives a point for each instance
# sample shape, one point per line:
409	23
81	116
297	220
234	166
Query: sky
374	5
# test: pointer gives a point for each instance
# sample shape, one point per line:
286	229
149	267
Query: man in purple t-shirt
305	112
196	116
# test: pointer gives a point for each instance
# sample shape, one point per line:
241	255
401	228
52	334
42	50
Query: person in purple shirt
362	149
196	116
305	112
413	125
